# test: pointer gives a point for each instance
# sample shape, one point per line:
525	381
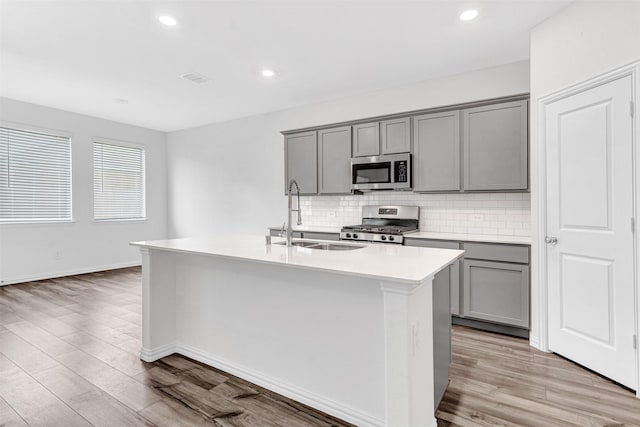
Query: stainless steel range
384	224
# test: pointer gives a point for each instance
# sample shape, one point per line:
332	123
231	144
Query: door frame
632	70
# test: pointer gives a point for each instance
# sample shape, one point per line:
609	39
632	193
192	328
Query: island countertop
411	265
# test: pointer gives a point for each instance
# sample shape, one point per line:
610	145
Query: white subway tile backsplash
507	214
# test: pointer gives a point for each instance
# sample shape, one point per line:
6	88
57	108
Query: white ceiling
83	55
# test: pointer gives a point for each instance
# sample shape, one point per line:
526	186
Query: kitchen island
361	334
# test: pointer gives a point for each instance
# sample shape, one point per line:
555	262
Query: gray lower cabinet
495	147
366	139
454	278
496	287
436	152
315	235
300	150
395	136
489	287
278	231
319	235
334	160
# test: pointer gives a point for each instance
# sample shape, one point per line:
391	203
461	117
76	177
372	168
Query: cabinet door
436	152
366	139
454	278
334	160
301	161
495	144
395	136
497	292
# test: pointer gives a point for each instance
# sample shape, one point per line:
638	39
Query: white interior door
589	211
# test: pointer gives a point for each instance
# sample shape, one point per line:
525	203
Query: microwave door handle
392	171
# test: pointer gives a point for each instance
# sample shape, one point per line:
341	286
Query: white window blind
118	182
35	176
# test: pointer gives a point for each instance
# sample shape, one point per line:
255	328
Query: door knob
551	240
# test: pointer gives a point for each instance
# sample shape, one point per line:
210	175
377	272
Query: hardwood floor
69	356
500	380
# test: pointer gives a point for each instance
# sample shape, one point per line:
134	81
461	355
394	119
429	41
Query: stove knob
391	238
348	235
383	237
355	236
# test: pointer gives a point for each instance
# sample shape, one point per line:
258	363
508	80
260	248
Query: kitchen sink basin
298	243
335	247
322	245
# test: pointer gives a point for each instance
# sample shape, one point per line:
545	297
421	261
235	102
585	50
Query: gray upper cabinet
301	161
334	160
395	136
483	147
366	139
436	152
495	147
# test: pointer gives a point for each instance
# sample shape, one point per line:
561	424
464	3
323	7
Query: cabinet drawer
426	243
496	252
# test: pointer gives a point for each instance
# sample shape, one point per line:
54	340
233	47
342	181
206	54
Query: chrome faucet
289	227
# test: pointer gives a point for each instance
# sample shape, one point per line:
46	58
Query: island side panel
441	333
408	314
158	304
314	336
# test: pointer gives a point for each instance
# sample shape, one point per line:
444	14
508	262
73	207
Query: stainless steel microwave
388	172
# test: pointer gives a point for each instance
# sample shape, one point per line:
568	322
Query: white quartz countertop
464	237
378	261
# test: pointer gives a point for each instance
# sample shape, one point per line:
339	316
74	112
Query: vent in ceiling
195	77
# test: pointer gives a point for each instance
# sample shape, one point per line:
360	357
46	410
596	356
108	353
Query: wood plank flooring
69	356
495	380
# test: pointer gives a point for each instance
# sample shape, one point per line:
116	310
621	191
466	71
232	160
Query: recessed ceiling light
268	73
167	20
468	15
122	101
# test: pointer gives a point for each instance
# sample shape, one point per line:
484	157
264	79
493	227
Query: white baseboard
534	342
314	400
151	355
71	272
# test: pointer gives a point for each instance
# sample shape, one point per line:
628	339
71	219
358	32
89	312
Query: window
118	182
35	176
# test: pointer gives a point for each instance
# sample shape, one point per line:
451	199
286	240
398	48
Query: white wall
584	40
228	177
36	251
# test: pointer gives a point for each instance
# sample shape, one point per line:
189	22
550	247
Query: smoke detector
195	77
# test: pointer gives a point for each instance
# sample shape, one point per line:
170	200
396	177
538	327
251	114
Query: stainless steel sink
335	247
322	245
298	243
